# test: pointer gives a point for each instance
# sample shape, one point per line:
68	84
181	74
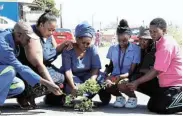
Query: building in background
14	9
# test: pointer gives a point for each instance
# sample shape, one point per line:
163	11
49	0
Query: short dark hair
47	16
159	22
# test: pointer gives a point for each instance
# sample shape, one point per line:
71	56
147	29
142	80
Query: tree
176	32
45	4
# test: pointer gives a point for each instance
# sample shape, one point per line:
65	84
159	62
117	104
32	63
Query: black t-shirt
147	58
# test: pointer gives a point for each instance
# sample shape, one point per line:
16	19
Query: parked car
63	34
134	37
6	23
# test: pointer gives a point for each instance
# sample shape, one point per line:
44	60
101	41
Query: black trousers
167	100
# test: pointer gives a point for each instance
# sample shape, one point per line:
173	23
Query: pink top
168	62
97	36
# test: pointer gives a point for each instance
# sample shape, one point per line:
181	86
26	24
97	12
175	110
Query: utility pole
100	26
117	20
92	20
61	26
143	23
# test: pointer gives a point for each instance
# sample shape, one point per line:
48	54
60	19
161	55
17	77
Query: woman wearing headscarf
82	62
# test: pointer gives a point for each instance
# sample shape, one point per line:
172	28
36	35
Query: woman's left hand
68	45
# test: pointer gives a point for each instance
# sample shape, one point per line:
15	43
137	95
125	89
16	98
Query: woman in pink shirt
168	69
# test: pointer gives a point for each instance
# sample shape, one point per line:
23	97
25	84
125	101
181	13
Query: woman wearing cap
40	55
123	60
147	62
167	99
82	62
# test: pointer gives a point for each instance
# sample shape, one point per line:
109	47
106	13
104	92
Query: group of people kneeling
153	68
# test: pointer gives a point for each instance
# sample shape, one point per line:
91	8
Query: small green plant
84	105
81	102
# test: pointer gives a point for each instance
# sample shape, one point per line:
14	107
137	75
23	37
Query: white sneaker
131	103
120	102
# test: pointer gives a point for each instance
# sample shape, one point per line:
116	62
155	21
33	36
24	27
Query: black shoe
32	102
24	104
54	100
105	97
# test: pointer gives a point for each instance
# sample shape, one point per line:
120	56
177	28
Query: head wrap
84	30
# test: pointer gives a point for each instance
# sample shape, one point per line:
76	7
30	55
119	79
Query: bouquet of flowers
81	102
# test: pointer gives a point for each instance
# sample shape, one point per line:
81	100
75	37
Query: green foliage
50	3
45	4
82	103
90	86
55	11
176	32
85	105
68	101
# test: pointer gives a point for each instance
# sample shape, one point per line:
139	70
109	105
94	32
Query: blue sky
106	11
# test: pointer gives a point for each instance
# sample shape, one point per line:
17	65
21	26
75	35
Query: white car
6	23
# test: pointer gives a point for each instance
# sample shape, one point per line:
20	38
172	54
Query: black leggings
149	88
166	100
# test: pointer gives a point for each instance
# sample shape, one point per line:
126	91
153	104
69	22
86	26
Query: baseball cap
144	34
25	28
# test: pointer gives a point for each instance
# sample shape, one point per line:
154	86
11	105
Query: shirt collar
130	47
159	41
36	31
